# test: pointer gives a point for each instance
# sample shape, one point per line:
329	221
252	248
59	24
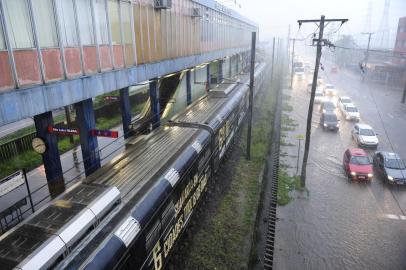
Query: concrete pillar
220	71
125	111
237	59
155	106
86	122
230	67
188	87
208	78
51	158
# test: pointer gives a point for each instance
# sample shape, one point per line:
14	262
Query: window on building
101	22
45	23
127	30
2	42
85	21
66	16
114	21
18	24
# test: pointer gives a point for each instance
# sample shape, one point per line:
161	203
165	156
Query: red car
357	164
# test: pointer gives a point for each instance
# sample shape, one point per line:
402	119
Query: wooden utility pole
251	94
367	54
320	43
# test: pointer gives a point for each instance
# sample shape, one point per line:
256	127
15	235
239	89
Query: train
130	213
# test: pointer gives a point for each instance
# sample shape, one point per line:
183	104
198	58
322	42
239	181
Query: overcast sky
274	16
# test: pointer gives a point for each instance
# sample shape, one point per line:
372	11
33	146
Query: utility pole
367	53
273	56
251	94
311	103
404	94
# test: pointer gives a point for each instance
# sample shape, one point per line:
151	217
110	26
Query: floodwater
342	224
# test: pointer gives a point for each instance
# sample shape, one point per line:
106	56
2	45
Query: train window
85	22
45	23
152	236
18	23
101	22
168	214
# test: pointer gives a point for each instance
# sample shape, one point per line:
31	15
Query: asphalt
341	224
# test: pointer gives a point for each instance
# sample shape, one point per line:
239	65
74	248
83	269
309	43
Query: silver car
365	136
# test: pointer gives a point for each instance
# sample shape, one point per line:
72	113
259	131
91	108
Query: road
342	224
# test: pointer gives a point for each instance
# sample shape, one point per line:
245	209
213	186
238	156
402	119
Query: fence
22	144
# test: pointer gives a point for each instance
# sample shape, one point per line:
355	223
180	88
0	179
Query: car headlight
347	117
337	125
325	125
390	178
353	173
370	175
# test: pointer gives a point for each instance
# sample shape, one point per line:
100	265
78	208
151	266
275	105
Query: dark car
328	106
391	167
328	120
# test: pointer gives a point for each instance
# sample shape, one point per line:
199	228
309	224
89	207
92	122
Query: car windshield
299	70
394	163
359	160
345	100
318	94
330	118
329	105
366	132
330	87
352	109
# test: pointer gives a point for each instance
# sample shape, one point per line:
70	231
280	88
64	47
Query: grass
286	184
223	244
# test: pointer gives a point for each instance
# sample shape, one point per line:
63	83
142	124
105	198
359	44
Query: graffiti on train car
183	208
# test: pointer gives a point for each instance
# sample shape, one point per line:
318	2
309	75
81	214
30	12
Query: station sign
111	98
104	133
63	131
11	182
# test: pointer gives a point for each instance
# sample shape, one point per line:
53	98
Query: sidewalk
73	170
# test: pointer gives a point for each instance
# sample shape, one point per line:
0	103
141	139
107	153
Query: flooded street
342	224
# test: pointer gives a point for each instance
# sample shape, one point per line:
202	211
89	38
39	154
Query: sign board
104	133
63	131
11	182
111	98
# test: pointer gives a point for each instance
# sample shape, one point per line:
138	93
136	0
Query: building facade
57	52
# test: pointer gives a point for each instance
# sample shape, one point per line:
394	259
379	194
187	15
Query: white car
351	112
344	100
330	89
318	97
365	136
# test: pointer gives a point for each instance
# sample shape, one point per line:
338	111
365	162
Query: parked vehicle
357	165
329	121
350	112
344	100
390	167
330	89
328	106
364	136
